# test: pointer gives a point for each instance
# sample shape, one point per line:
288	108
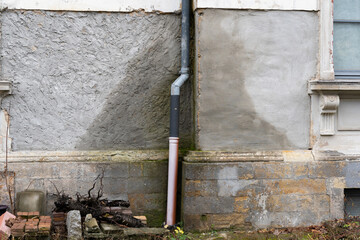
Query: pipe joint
175	87
184	70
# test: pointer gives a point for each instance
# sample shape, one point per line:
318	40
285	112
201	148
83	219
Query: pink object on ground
5	231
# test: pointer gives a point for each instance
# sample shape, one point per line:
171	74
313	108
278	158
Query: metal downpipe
174	114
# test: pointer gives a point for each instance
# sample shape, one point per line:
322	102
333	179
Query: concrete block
200	188
245	170
204	205
155	168
296	186
300	170
73	171
115	185
73	224
139	202
272	170
136	169
117	170
147	185
38	170
241	204
326	169
227	188
202	171
212	171
352	174
290	203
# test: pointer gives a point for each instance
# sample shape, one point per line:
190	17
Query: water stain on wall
136	114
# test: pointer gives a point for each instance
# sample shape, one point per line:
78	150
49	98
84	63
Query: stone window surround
326	85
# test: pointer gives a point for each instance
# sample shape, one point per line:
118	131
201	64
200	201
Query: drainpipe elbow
175	87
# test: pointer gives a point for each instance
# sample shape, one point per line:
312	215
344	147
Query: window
347	39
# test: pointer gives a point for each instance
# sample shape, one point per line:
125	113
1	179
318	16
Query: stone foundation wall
137	176
262	193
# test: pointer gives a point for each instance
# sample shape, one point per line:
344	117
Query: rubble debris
4	229
101	209
3	209
110	228
33	227
142	219
73	224
59	223
91	225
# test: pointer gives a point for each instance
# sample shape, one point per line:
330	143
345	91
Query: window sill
334	85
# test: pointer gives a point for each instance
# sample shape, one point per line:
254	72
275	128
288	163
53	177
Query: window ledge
335	85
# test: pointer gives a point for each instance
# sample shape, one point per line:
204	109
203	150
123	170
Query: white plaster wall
157	5
95	5
310	5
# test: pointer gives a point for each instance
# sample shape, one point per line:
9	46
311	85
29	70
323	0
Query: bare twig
57	190
100	191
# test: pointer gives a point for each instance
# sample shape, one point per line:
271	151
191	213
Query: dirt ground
334	230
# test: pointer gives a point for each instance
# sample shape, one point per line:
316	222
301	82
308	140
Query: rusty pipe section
175	112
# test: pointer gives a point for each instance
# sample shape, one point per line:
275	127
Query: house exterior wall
84	86
91	81
90	91
251	82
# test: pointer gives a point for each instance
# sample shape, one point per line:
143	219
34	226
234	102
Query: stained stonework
263	194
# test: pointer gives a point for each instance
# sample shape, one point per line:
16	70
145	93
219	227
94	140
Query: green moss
155	218
203	218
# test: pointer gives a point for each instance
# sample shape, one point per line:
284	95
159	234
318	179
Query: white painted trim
326	41
95	5
308	5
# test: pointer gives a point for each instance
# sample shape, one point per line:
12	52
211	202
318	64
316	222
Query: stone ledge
222	156
269	156
86	156
335	85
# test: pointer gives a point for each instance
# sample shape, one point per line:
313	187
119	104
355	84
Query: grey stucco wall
91	80
252	73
